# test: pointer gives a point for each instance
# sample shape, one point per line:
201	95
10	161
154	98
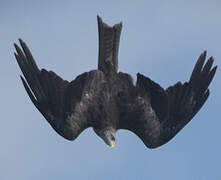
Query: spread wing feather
54	97
171	109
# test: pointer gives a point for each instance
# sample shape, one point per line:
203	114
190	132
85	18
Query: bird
107	100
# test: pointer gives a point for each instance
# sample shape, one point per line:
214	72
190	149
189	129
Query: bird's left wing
63	104
160	114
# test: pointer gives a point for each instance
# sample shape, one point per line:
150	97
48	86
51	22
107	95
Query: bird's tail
109	39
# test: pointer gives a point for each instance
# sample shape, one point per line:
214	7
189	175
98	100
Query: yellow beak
112	144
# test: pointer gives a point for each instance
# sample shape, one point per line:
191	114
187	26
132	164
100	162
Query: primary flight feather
107	100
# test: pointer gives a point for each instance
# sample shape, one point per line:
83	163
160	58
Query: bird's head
108	135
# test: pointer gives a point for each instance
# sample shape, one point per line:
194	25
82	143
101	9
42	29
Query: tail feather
109	39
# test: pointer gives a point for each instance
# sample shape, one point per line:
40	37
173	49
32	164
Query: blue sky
160	39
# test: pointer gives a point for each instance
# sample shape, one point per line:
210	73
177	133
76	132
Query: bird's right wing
64	105
158	114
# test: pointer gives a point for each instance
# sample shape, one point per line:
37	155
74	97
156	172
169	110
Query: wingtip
22	43
201	59
20	40
214	69
17	48
211	60
15	45
198	66
203	55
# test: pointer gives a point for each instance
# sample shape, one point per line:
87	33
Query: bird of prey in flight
107	100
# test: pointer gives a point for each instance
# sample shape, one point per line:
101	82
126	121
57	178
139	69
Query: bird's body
107	100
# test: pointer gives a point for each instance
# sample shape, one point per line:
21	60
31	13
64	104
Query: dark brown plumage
107	100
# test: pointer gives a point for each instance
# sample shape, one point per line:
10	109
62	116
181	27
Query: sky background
160	39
